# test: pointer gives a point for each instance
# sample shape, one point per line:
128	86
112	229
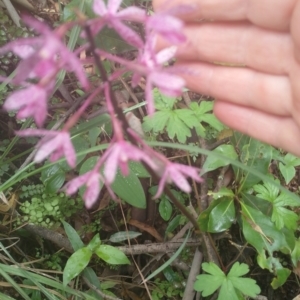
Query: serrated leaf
129	189
165	209
157	122
163	102
238	270
212	121
112	255
284	217
207	284
231	285
175	127
187	116
123	236
202	108
76	264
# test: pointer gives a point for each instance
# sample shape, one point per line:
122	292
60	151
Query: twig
189	291
97	291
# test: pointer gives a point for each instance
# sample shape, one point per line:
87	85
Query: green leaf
208	284
296	253
93	135
281	278
138	169
173	224
54	183
123	236
50	171
94	243
165	209
76	264
218	216
254	154
88	165
176	127
112	255
157	122
163	102
230	284
100	122
261	232
213	162
129	189
73	236
287	171
223	192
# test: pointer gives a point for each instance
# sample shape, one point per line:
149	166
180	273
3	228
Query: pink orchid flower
57	144
31	102
169	83
92	181
118	155
177	174
113	18
44	56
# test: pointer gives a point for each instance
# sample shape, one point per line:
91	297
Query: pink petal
113	6
48	147
73	186
166	54
23	51
31	102
92	190
111	164
171	85
75	65
178	179
133	13
129	35
35	132
99	7
161	184
168	26
149	97
69	152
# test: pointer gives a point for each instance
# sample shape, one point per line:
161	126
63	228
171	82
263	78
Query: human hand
261	99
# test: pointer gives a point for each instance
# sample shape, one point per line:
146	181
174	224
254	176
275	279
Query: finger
269	93
277	131
272	14
295	24
239	43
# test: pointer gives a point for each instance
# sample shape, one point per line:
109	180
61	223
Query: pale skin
262	98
